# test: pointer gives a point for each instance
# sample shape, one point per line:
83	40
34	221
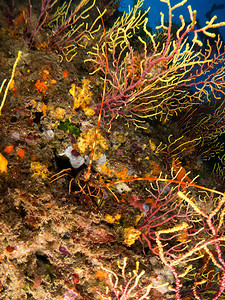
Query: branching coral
157	82
10	81
71	28
131	287
186	232
204	125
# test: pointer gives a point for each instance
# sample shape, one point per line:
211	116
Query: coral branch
72	28
155	79
10	80
187	233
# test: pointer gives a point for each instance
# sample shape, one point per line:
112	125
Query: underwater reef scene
112	164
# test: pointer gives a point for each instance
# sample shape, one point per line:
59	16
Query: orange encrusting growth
21	153
40	86
65	73
8	149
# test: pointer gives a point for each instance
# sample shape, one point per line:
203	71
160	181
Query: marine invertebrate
46	7
3	164
131	235
41	86
176	228
21	153
82	97
67	26
10	81
38	169
168	53
84	143
130	288
70	31
157	80
204	125
8	149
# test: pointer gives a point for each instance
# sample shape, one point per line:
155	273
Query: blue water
205	10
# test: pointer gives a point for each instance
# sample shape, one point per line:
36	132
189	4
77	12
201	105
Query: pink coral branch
185	237
151	83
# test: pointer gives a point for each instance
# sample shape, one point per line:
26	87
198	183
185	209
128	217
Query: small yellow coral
85	142
117	217
12	85
138	217
131	235
105	169
3	164
89	111
82	97
111	219
44	109
59	113
38	169
152	145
